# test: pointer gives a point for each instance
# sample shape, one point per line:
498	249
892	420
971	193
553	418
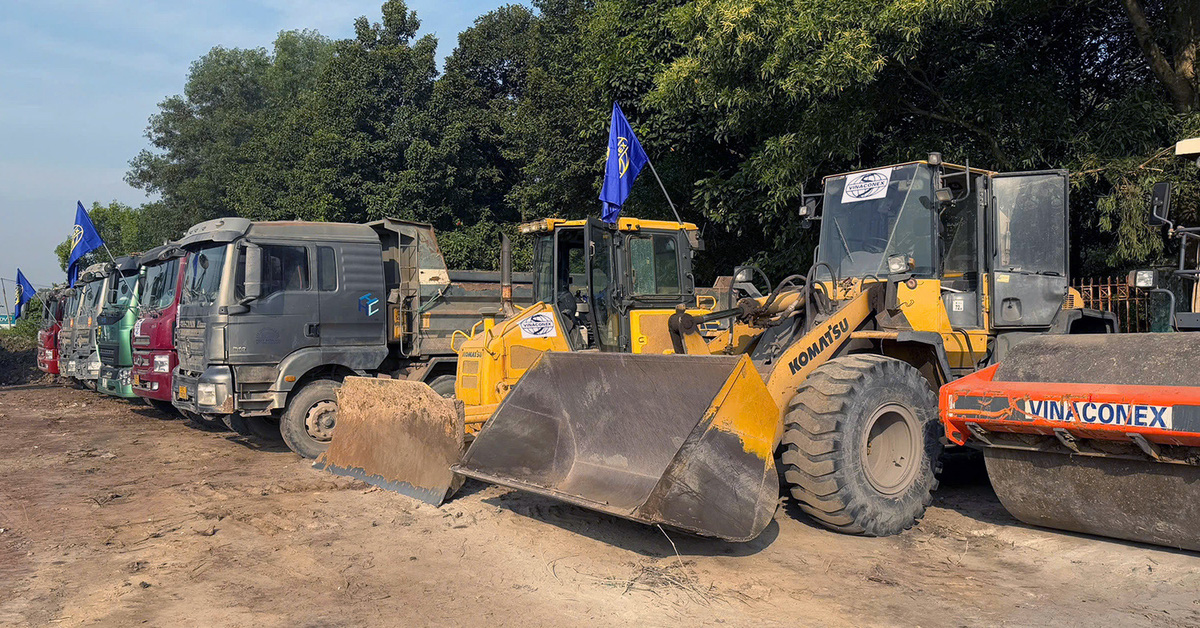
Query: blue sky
78	81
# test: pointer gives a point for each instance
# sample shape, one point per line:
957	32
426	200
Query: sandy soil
112	515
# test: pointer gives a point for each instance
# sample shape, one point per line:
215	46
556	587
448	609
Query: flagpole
650	163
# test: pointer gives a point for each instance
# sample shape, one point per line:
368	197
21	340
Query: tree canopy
743	105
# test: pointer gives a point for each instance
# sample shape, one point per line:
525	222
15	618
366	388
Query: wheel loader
626	389
1098	434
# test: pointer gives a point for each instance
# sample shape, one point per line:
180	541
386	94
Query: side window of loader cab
654	264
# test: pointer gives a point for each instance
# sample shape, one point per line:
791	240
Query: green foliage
27	326
741	104
126	230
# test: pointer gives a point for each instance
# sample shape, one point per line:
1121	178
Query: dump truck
274	315
114	324
53	306
924	271
1100	434
65	341
153	336
83	358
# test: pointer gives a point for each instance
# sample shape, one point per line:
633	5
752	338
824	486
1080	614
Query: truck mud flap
398	435
683	441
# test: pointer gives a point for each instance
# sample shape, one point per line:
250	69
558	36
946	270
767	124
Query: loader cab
611	283
986	252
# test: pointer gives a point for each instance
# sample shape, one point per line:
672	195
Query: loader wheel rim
891	448
320	421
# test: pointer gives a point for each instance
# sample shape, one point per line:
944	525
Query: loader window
872	215
960	262
1031	223
543	269
654	262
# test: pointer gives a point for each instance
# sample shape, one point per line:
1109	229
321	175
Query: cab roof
623	224
945	165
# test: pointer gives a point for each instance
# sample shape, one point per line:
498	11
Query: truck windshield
159	287
91	296
122	289
50	313
204	274
869	216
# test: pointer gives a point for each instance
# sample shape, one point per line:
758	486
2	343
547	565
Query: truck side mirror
1160	203
253	283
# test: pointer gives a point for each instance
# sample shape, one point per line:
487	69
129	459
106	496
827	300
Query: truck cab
115	323
65	343
273	315
162	271
53	303
84	357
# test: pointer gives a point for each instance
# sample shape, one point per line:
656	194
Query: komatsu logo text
1101	413
832	334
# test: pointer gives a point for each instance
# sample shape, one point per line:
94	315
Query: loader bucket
398	435
684	441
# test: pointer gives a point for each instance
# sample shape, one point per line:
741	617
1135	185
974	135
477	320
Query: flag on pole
25	292
625	161
84	239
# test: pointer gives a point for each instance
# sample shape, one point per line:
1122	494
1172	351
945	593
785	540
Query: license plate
183	392
137	380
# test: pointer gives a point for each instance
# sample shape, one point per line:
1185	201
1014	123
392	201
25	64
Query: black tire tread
812	439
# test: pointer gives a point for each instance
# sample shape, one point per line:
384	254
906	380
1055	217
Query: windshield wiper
845	245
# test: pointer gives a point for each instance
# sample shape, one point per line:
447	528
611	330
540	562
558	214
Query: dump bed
426	302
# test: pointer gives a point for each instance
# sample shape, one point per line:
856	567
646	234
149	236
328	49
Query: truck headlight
124	377
206	394
162	363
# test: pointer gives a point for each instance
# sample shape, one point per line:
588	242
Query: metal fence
1135	309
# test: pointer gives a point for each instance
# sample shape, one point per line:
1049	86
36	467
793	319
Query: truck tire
308	422
205	422
237	423
264	428
443	385
163	407
860	445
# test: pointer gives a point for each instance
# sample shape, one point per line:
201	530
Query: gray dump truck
274	314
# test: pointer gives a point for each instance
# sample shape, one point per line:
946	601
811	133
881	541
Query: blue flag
624	162
25	292
84	240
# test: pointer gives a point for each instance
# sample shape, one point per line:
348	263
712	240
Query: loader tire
308	422
443	385
861	444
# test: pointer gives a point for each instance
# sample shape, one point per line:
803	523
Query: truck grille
190	345
108	353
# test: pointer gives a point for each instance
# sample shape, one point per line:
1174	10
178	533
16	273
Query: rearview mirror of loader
808	210
253	285
1160	203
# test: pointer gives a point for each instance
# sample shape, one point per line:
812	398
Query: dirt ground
112	515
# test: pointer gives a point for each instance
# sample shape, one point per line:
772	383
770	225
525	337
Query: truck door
286	317
1029	248
601	267
352	294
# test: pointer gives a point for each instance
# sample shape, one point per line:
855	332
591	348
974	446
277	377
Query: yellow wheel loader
627	389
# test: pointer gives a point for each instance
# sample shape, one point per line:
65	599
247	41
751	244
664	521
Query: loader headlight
1144	278
162	363
206	394
898	264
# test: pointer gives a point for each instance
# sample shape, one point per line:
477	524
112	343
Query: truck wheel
307	424
237	423
163	407
443	385
860	445
264	428
206	422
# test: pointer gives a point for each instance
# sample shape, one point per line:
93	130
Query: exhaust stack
506	287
